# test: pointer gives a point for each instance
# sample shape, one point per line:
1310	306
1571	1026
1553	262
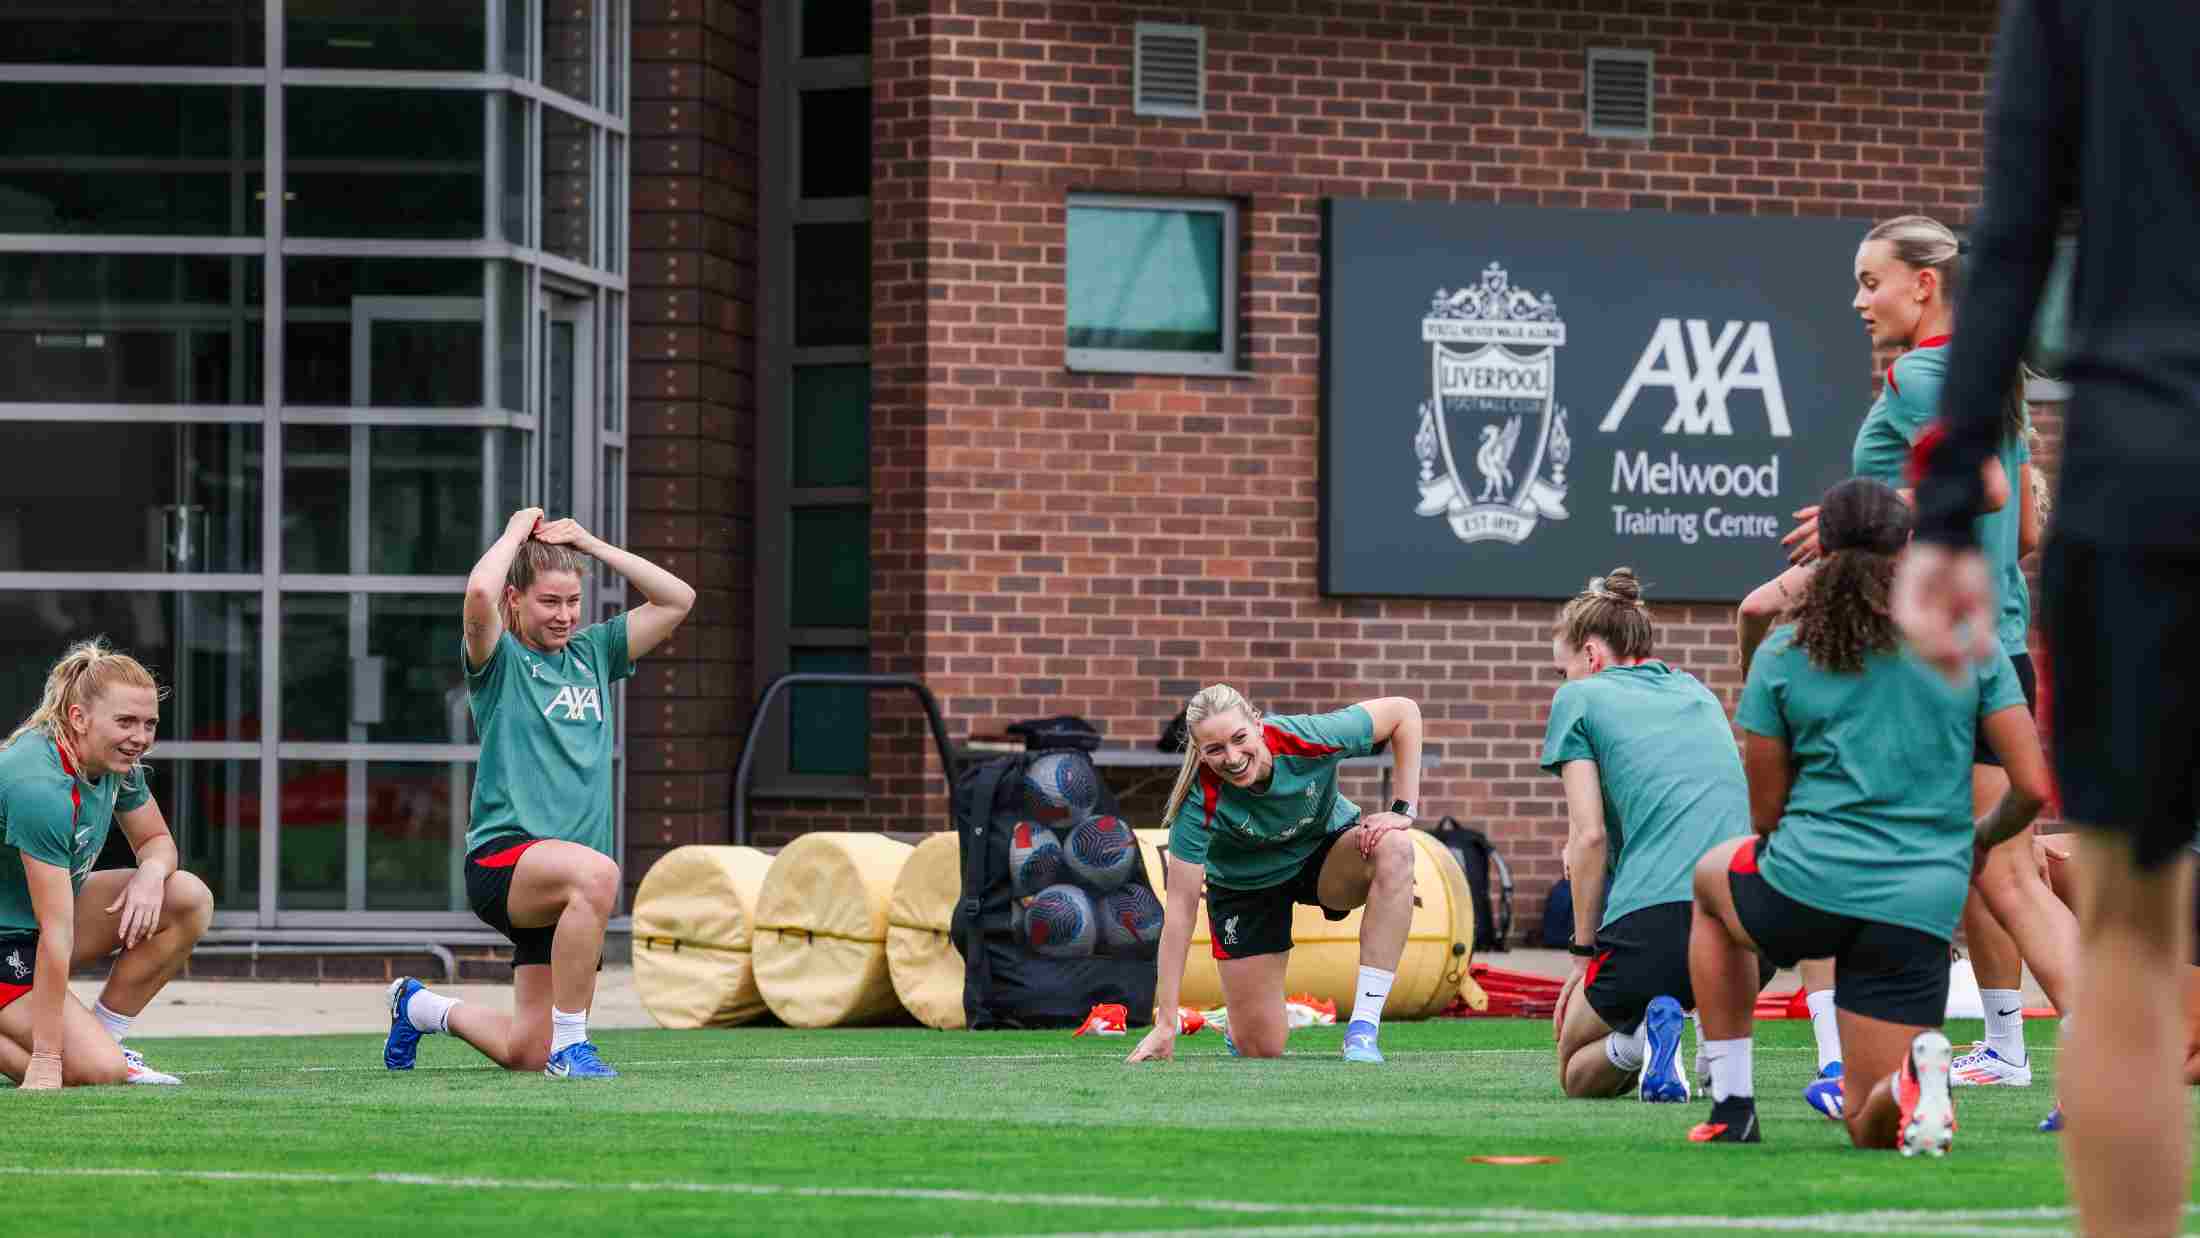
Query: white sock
1731	1071
1825	1026
1625	1049
2005	1032
1373	991
567	1028
117	1025
429	1012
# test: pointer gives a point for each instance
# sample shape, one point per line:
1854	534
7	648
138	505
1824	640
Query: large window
278	355
1152	285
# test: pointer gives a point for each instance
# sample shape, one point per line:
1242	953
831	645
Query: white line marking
1440	1220
1562	1223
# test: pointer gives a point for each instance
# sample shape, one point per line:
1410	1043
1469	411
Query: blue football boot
579	1061
1662	1080
1826	1093
1359	1043
404	1041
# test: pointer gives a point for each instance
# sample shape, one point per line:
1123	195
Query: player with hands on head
70	773
1256	815
539	862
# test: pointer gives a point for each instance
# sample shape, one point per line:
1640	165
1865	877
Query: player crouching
1651	744
1859	764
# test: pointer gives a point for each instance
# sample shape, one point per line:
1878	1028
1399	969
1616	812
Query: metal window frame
1223	363
602	282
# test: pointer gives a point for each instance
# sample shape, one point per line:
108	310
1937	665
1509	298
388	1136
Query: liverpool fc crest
1492	439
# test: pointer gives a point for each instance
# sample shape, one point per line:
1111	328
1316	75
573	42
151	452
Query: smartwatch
1580	951
1403	808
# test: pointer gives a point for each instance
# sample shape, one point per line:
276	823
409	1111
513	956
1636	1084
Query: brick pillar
691	311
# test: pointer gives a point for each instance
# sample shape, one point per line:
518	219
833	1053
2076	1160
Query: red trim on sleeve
1892	385
507	857
9	992
1745	858
1210	794
1284	744
1920	461
76	789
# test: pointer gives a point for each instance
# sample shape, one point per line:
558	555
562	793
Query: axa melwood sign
1517	399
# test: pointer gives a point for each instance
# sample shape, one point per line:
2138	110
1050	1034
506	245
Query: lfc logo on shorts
15	961
1493	370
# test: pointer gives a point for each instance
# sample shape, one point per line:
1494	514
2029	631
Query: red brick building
1035	539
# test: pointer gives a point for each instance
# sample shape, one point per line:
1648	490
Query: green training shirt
1878	821
1250	840
50	814
545	726
1907	404
1671	775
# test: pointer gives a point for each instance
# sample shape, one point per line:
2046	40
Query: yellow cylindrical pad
921	957
692	919
820	949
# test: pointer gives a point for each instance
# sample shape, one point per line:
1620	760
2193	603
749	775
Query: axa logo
1701	372
579	704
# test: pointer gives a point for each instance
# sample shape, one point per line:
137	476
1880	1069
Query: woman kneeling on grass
1859	764
1268	829
539	867
67	776
1653	780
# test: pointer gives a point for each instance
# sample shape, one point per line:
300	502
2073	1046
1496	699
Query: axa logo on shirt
579	704
1701	372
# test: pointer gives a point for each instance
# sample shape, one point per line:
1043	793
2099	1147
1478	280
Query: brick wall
692	406
1055	542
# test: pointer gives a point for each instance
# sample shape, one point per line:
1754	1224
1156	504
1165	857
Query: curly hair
1844	616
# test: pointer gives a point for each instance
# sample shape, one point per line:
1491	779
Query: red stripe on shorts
507	857
1589	974
1745	858
9	992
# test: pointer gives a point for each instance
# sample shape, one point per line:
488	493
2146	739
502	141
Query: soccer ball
1058	784
1034	858
1102	852
1060	923
1130	919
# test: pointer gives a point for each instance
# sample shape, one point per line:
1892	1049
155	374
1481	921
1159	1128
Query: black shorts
1641	957
18	959
2122	713
1982	753
1881	971
489	891
1245	923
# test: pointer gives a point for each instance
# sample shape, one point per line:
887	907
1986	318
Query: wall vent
1621	86
1168	70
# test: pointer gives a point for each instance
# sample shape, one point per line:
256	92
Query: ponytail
1846	615
1611	610
81	677
1209	701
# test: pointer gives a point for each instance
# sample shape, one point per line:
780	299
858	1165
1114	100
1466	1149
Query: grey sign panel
1516	399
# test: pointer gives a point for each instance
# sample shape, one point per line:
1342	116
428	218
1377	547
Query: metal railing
798	679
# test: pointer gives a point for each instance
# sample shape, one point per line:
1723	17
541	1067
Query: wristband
1403	808
1580	951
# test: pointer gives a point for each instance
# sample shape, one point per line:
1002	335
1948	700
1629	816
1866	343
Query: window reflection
134	160
129	329
204	647
163	498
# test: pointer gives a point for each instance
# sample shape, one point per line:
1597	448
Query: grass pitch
904	1131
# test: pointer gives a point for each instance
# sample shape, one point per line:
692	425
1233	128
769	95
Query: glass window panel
423	332
832	425
612	254
385	163
317	499
129	329
213	809
313	806
832	285
568	47
415	637
516	145
827	29
516	31
512	308
829	728
830	568
416	814
836	143
424	517
449	35
163	497
515	462
568	172
135	160
613	489
205	647
1149	280
207	33
559	363
614	369
614	63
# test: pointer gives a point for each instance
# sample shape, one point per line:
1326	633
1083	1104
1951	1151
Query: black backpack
1005	984
1476	855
